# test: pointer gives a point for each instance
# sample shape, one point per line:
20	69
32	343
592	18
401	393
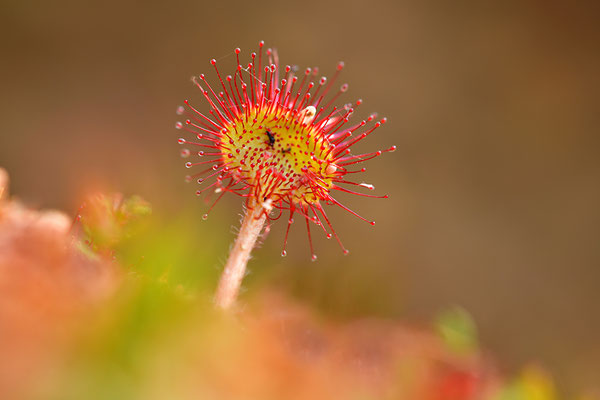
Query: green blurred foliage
167	281
172	251
458	330
532	384
108	219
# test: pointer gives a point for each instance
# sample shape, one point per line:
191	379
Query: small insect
271	138
286	150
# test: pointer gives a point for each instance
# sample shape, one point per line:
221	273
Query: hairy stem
235	269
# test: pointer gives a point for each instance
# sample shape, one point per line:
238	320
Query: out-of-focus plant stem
235	268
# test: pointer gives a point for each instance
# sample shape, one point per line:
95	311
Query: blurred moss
158	336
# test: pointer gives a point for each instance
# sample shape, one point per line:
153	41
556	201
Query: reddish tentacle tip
346	252
393	148
283	253
238	50
213	61
313	257
205	217
340	65
372	222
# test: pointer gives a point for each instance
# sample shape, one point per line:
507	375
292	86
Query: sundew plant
280	139
111	303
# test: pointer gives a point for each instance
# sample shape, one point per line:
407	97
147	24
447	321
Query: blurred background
494	189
